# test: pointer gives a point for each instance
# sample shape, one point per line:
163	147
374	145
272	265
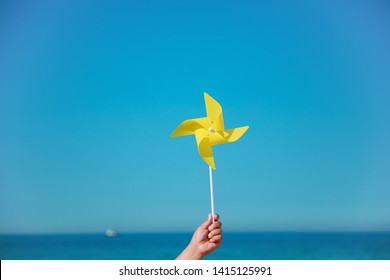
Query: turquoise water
281	245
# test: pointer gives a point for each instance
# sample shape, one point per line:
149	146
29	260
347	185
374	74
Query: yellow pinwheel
209	131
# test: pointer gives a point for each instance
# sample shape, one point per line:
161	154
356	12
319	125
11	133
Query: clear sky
90	92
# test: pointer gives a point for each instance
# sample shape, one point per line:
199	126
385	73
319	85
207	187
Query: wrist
191	252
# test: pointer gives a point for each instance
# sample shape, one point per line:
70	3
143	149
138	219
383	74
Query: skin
206	238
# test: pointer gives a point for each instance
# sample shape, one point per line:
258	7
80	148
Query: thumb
206	223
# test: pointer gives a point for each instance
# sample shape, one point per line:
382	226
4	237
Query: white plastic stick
211	192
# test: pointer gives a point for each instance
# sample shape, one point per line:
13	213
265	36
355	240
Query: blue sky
90	92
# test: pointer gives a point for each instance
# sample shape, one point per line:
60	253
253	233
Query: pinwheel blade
214	112
234	134
189	127
216	138
204	147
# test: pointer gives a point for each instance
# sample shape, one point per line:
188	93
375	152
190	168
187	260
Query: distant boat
110	233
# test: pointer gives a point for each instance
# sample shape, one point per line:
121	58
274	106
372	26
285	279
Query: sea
166	246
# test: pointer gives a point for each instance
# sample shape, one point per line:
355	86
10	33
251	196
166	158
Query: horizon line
191	232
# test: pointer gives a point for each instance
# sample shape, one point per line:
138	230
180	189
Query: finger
216	217
215	225
212	246
217	238
215	232
206	223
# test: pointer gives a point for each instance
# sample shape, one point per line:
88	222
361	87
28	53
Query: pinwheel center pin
205	140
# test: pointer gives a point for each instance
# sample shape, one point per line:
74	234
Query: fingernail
210	228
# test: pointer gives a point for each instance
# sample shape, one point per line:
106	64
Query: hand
207	238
